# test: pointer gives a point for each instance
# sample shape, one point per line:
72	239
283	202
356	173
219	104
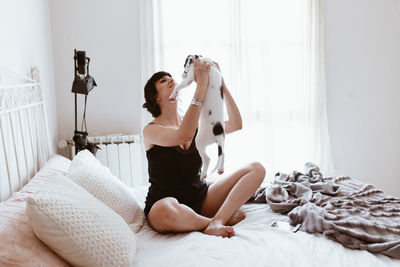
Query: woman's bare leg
223	199
167	215
236	217
226	196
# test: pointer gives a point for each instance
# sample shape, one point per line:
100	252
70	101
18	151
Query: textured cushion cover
78	227
98	180
18	244
84	158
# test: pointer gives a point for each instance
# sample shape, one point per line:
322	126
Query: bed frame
24	137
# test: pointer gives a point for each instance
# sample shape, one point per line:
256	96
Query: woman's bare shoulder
157	134
148	132
150	129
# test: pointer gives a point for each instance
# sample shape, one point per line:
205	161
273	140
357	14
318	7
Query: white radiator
122	154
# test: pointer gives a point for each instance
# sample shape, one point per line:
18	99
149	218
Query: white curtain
315	81
150	61
271	56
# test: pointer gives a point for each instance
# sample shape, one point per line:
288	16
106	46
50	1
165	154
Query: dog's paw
220	171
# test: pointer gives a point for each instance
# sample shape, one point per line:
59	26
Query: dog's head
189	60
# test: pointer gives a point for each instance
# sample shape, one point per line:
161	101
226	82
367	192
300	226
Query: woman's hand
201	73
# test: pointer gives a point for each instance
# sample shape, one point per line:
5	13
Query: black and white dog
212	127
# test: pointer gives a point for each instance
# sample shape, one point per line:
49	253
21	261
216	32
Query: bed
255	242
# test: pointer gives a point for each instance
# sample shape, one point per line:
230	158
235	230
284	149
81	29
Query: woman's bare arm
234	121
156	134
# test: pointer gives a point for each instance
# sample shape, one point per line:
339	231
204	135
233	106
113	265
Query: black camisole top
175	172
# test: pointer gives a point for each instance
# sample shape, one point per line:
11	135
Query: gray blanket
343	209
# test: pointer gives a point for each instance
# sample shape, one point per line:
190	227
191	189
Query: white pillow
84	158
102	184
80	228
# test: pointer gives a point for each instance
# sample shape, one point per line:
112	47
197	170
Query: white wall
108	31
362	51
25	41
362	40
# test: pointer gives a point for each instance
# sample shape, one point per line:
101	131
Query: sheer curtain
271	56
150	61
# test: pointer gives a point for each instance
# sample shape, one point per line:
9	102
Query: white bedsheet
255	244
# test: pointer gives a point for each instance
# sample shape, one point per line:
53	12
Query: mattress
255	244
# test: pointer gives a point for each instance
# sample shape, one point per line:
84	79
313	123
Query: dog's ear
188	60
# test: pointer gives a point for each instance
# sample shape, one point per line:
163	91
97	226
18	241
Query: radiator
122	154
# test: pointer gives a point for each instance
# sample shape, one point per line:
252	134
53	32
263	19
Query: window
263	49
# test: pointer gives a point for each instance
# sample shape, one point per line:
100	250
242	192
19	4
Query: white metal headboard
24	138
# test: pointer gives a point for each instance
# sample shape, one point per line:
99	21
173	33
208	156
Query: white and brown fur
212	127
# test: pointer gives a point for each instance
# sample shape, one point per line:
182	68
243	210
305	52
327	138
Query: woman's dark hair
150	92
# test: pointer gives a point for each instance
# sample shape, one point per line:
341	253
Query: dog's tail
221	154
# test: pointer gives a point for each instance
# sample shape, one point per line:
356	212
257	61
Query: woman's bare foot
218	229
236	217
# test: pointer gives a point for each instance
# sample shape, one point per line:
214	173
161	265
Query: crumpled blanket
357	215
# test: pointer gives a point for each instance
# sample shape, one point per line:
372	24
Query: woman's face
165	86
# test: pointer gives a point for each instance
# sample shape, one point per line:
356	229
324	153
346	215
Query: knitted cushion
80	228
101	183
84	158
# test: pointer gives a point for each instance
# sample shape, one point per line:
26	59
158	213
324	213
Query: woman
178	200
